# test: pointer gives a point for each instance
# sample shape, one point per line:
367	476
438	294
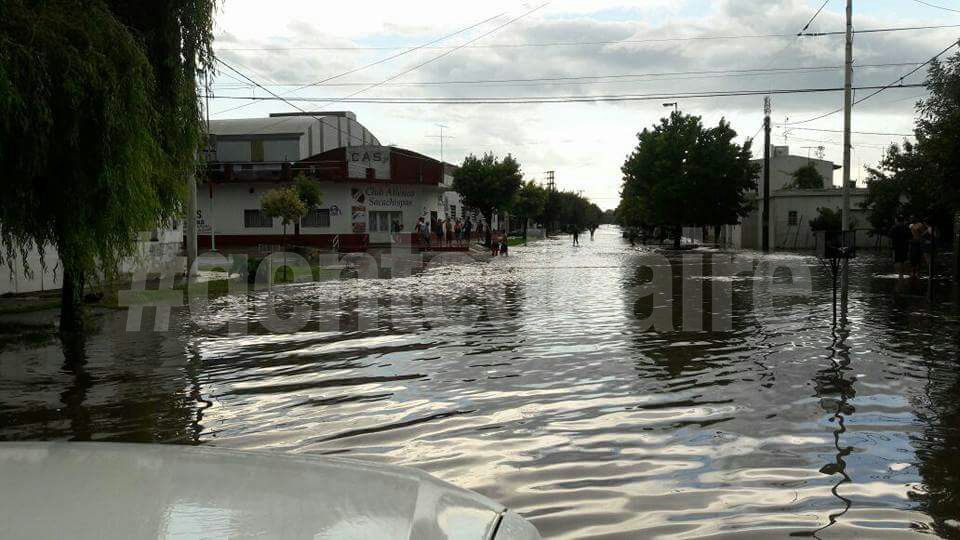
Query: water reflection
537	379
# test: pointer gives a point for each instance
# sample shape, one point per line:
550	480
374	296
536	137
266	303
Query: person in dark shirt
900	236
919	247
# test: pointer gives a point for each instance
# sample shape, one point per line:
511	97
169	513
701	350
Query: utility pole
190	223
441	141
847	120
765	215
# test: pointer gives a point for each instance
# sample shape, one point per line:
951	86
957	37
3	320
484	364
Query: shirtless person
918	247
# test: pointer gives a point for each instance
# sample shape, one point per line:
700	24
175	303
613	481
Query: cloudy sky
493	49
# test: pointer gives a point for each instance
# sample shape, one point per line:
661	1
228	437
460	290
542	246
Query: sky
284	45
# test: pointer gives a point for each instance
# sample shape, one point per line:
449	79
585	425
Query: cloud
585	143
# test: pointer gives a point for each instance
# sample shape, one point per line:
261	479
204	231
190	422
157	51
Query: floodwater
535	380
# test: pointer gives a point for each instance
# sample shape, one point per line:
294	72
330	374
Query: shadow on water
535	379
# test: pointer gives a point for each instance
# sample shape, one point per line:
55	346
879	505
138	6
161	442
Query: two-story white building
367	189
791	209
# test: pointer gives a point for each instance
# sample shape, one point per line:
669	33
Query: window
316	218
453	211
256	219
383	221
256	150
792	218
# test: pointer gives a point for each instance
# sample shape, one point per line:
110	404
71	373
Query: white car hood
94	490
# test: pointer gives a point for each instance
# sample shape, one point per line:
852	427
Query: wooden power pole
847	120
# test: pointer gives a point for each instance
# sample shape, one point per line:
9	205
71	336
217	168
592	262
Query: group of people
912	244
446	232
576	234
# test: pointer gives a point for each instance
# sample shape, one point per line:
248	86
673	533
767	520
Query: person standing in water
576	237
918	247
423	229
900	236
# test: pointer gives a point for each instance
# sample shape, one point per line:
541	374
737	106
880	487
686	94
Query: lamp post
674	104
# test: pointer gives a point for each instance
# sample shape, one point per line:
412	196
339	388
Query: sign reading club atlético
361	158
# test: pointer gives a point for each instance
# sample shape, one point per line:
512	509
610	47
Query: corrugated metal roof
264	126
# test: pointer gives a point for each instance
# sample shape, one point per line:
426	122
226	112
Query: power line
882	88
314	116
911	72
565	99
437	57
796	39
589	43
599	78
883	133
815	15
388	58
936	6
876	30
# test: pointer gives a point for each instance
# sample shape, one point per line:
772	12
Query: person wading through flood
438	231
423	229
576	237
900	237
919	234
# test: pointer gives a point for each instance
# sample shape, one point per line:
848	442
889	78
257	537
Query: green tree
919	180
830	220
682	174
807	177
529	203
488	184
308	191
99	127
937	130
283	203
904	185
609	217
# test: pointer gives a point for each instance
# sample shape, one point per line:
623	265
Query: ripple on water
534	380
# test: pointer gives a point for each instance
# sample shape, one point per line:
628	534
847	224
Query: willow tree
99	127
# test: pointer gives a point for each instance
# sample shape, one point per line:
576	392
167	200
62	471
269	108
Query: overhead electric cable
883	88
563	99
883	133
582	78
936	6
391	57
587	43
441	55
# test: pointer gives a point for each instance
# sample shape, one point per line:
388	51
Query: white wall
18	282
230	200
805	202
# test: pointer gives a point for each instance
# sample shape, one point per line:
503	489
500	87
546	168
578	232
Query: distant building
791	209
368	188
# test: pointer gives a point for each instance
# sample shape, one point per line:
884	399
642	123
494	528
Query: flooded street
533	380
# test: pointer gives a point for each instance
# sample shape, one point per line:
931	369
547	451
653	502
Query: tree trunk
71	302
956	247
488	230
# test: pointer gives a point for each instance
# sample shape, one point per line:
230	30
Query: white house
791	209
367	188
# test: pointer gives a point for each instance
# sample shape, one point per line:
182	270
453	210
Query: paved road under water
532	379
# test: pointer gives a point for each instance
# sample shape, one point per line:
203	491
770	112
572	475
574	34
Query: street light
675	105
